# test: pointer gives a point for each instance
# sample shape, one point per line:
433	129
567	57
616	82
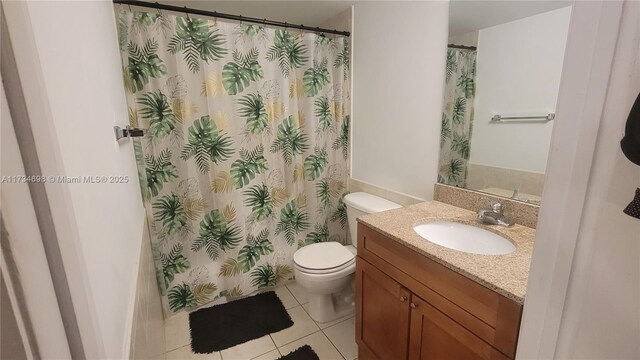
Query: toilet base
328	307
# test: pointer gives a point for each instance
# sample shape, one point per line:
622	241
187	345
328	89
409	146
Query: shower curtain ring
240	20
186	12
158	8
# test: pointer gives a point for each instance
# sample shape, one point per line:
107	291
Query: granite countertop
505	274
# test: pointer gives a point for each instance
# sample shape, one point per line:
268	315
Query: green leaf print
316	77
206	144
169	211
173	263
245	169
344	56
452	64
459	108
342	141
245	68
323	113
290	139
216	235
159	170
320	234
340	214
455	169
323	193
252	107
264	276
156	108
181	297
290	53
250	254
466	84
293	220
460	144
258	197
197	42
445	129
144	63
315	164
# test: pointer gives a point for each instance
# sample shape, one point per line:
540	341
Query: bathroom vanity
419	300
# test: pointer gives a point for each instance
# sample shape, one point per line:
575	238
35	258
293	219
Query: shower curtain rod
454	46
215	14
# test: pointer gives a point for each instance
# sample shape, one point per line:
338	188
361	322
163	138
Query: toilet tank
361	203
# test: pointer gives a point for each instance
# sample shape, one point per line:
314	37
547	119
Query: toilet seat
323	258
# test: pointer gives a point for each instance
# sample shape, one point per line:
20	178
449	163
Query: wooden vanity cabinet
410	307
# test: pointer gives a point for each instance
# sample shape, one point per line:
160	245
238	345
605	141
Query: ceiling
309	13
466	16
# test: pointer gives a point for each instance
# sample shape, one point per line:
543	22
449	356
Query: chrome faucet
494	216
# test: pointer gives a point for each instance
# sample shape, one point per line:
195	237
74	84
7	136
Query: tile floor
331	341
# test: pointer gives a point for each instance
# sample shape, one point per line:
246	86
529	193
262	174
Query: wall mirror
503	69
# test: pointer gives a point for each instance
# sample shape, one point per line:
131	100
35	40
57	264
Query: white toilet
326	270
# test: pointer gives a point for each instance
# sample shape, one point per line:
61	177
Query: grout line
334	345
319	330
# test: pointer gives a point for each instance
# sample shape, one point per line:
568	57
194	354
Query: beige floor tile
184	353
343	337
285	296
330	323
298	292
303	325
318	342
271	355
176	330
249	349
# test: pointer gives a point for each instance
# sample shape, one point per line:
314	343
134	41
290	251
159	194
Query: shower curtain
457	116
245	157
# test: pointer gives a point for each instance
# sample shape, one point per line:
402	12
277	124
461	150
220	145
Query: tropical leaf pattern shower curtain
457	116
245	158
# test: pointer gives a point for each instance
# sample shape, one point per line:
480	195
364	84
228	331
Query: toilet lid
322	256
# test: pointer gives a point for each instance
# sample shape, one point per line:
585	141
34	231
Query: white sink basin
465	238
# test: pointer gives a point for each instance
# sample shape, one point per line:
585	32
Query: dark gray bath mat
226	325
301	353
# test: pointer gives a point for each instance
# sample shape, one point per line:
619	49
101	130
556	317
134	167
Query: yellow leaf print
193	207
275	110
213	85
222	183
133	118
299	119
296	89
279	196
184	109
221	120
301	201
298	172
229	213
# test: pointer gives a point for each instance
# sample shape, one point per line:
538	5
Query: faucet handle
493	204
497	207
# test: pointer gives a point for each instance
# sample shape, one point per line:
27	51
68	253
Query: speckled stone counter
505	274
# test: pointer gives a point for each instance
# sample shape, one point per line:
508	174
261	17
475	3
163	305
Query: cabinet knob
403	298
413	305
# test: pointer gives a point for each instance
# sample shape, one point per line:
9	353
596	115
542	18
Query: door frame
591	44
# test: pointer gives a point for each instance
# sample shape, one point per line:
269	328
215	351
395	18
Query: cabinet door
382	314
434	335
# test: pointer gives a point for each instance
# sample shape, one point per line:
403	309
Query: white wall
399	51
518	73
79	77
602	316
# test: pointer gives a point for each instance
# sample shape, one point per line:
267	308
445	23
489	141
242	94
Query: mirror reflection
503	69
